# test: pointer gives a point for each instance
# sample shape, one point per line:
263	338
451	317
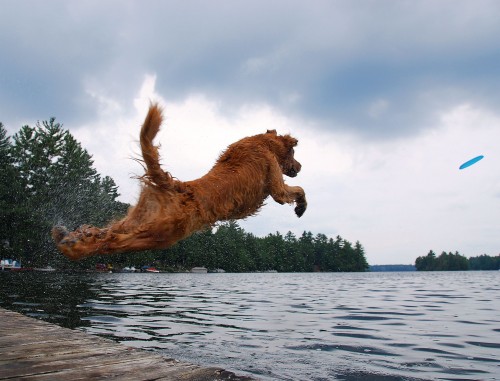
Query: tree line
229	247
47	178
456	262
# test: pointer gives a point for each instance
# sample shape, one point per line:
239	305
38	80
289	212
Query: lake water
314	326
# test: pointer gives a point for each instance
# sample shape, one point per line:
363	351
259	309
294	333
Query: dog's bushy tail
154	174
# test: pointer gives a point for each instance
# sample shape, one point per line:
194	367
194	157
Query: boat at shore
128	269
218	271
149	269
199	270
10	264
48	269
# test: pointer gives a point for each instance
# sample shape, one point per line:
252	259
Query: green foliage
230	248
426	263
13	213
484	262
49	179
456	262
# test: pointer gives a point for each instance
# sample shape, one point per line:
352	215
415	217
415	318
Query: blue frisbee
471	162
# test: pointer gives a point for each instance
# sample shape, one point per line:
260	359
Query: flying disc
471	161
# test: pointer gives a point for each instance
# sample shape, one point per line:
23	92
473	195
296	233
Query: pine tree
13	213
360	259
60	186
427	263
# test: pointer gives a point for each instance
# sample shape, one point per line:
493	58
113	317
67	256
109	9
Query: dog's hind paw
58	233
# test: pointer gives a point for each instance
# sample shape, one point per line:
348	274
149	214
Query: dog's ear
273	132
289	141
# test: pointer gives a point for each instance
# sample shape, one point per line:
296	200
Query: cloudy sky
387	99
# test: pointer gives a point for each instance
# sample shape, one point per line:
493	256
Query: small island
456	262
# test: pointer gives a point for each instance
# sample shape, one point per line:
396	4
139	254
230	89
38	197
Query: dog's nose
294	170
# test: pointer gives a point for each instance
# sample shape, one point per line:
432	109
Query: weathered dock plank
32	349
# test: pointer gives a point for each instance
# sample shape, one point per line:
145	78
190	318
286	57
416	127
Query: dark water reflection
378	326
48	296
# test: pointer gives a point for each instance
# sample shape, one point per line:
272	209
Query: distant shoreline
380	268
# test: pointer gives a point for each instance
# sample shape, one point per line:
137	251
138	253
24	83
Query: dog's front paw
301	208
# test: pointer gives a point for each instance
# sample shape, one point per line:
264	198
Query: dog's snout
294	169
297	166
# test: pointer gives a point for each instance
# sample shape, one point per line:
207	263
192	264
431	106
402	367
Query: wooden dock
32	349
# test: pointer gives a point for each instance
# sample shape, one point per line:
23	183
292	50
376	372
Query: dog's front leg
282	193
300	202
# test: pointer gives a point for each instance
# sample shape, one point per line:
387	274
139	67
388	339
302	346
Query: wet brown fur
170	210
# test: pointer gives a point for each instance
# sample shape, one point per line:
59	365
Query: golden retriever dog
170	210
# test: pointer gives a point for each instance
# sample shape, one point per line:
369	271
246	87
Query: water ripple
381	326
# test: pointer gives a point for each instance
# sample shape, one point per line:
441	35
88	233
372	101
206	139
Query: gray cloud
379	69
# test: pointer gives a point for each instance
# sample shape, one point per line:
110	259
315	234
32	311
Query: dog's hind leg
87	241
123	236
83	242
